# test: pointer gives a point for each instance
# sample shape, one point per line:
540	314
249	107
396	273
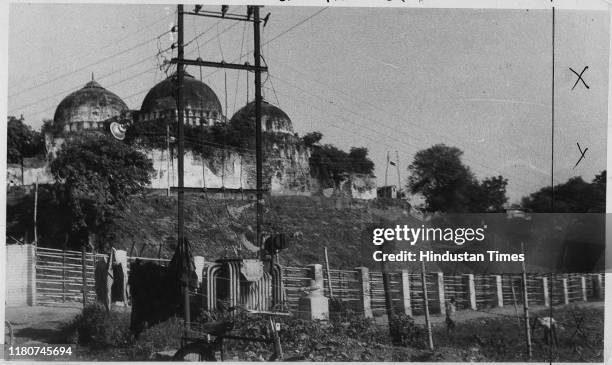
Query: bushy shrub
161	337
404	332
98	328
338	309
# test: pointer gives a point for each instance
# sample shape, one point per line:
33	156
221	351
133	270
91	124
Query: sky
387	79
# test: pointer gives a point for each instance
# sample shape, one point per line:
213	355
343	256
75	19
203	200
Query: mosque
227	171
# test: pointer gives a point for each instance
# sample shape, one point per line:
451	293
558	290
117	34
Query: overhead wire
369	137
96	52
359	101
376	131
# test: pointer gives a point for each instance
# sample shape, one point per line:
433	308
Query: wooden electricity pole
180	74
258	144
181	62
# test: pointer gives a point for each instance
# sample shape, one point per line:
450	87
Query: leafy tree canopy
573	196
22	142
327	162
95	175
449	186
312	138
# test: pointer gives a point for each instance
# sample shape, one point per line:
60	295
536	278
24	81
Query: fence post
545	293
471	290
315	305
32	269
406	292
565	291
440	289
84	274
63	275
597	286
583	287
499	291
364	279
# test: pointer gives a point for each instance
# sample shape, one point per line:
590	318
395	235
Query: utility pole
181	146
252	16
258	144
181	62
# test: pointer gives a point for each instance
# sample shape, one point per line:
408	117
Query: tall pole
426	302
552	163
181	146
526	304
168	158
329	283
36	211
387	168
399	180
387	289
258	139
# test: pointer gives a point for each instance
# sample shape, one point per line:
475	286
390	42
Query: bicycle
210	338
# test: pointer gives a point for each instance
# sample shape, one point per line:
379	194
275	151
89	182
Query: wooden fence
471	291
62	276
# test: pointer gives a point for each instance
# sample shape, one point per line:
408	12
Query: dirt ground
42	325
38	325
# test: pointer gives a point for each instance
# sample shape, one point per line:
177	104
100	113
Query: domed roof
196	95
88	106
273	119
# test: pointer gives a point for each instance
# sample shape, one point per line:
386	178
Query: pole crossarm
234	66
215	14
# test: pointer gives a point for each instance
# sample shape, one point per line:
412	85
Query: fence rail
59	279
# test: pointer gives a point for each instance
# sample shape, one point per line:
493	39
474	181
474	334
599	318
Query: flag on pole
392	163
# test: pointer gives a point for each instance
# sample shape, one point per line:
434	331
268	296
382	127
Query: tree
489	195
438	174
573	196
22	142
95	174
312	138
360	163
449	186
328	162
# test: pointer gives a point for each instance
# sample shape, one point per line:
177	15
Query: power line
374	131
140	92
369	120
80	57
88	65
363	102
114	72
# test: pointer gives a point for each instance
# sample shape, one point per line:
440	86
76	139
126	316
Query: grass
503	339
490	339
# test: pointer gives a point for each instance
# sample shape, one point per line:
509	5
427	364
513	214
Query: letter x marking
581	154
580	77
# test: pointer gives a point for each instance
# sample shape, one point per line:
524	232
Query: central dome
197	97
88	108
